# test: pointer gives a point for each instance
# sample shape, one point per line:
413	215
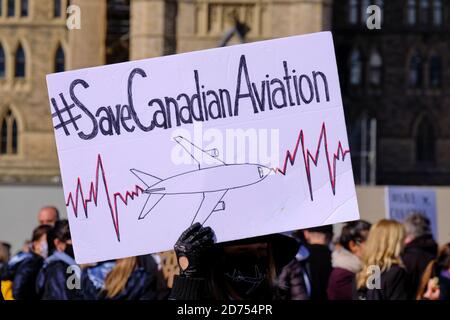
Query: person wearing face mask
236	270
346	260
52	281
23	268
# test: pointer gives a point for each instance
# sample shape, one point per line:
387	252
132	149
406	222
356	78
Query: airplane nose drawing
212	180
264	171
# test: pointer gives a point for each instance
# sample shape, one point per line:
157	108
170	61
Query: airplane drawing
212	181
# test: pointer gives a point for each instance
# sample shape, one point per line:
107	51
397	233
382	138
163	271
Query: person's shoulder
55	266
396	271
33	259
141	275
341	272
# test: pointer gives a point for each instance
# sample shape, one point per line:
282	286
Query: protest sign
403	201
248	139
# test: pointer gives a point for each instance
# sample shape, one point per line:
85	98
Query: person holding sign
236	270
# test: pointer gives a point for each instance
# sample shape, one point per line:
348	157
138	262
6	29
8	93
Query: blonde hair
382	248
428	274
117	279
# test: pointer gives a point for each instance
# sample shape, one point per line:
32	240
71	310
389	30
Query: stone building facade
35	41
398	75
167	26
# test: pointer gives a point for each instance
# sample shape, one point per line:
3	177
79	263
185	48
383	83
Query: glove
191	249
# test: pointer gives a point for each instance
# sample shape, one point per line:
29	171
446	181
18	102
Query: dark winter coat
320	266
444	285
22	270
52	281
141	284
416	256
394	285
294	280
341	281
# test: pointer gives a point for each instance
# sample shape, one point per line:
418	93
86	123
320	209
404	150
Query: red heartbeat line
307	156
290	156
93	195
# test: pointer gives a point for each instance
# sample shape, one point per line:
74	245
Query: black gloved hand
191	250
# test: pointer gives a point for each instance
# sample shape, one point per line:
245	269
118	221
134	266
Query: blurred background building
34	41
394	84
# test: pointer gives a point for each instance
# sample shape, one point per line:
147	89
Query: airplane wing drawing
211	202
212	180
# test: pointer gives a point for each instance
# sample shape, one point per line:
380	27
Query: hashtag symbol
59	112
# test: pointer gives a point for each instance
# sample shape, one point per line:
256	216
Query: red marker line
93	195
307	156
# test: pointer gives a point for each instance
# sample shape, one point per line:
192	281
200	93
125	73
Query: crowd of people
385	261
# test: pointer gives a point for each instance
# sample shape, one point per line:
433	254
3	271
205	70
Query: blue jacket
22	270
56	281
141	285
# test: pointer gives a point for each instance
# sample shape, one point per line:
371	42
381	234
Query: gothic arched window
11	9
424	11
411	12
437	12
24	8
425	142
356	72
2	62
415	70
57	8
435	71
60	61
375	68
353	11
8	134
20	64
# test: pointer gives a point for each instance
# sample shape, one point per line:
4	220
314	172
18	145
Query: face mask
44	249
69	251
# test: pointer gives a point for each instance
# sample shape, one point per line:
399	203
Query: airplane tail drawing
152	199
148	179
150	203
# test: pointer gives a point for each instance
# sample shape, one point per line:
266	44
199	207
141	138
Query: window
364	5
353	11
435	71
424	11
425	142
8	134
2	62
380	4
11	8
24	8
355	68
411	12
19	71
415	70
57	8
60	64
437	12
375	69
